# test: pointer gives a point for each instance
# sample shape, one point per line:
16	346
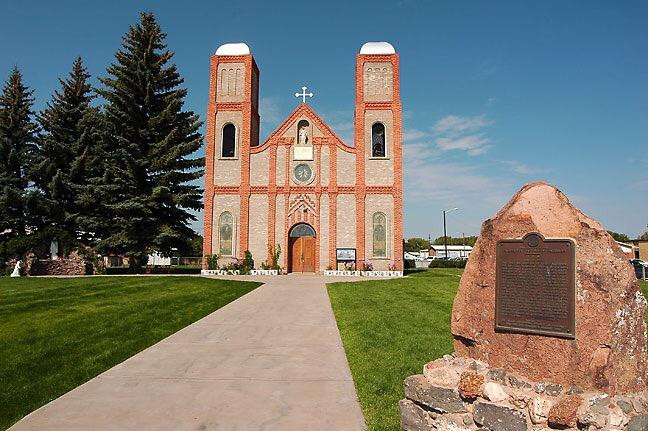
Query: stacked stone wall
74	264
461	394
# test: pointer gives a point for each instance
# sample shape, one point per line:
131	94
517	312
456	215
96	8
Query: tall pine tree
18	134
70	158
152	138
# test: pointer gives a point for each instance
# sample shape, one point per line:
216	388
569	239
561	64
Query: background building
454	251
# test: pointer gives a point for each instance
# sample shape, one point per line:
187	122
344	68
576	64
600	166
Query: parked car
640	267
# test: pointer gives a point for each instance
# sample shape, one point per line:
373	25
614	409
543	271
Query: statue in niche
302	133
303	136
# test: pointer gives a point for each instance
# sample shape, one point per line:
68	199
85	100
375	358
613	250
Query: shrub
443	263
212	261
248	263
275	258
118	270
409	264
367	266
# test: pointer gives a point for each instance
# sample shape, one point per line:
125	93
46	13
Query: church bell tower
378	142
232	129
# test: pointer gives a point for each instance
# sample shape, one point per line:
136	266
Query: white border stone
264	272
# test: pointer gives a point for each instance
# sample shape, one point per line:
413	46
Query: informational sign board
345	254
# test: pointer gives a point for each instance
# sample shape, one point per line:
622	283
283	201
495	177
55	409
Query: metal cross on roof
303	94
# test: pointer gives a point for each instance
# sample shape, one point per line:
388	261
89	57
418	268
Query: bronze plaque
536	286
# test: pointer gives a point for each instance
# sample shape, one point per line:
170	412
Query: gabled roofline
303	109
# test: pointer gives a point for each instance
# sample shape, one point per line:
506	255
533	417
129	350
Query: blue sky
496	94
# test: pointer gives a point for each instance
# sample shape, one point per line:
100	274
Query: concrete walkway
271	360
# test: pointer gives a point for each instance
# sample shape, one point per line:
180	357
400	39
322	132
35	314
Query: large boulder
609	349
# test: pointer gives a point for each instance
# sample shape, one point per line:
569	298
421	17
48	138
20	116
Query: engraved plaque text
535	291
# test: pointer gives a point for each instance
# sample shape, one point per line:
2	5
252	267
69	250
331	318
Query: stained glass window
225	233
302	230
379	235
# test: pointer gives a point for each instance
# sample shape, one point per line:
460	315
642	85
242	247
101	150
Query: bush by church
448	263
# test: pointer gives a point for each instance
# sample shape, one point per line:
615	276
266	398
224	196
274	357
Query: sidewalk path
271	360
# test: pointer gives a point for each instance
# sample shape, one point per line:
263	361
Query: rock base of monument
457	394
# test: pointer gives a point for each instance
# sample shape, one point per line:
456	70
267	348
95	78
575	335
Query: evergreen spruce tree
18	134
70	158
152	138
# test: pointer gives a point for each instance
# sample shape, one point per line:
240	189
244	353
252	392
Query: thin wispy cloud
269	111
641	185
419	152
455	125
472	144
463	134
446	182
410	135
523	168
487	68
344	130
343	126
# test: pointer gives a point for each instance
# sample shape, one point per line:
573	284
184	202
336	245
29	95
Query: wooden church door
302	249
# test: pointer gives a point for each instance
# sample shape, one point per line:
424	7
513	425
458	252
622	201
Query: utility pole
445	235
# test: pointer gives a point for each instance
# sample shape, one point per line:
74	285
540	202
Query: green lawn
57	333
390	329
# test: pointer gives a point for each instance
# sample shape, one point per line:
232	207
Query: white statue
303	136
16	271
54	249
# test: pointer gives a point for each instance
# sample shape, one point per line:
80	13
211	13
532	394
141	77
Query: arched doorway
301	248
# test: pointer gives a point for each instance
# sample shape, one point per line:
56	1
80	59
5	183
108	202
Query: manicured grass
390	328
56	333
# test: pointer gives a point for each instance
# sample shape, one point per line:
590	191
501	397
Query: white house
454	251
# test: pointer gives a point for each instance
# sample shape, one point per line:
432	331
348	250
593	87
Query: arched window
378	140
225	234
379	235
228	147
302	229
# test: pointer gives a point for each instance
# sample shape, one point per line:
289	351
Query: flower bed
238	272
343	273
220	272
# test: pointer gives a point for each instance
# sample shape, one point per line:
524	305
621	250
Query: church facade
304	191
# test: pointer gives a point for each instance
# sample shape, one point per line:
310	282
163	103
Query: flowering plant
392	266
367	266
349	266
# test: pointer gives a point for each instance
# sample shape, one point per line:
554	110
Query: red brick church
304	189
